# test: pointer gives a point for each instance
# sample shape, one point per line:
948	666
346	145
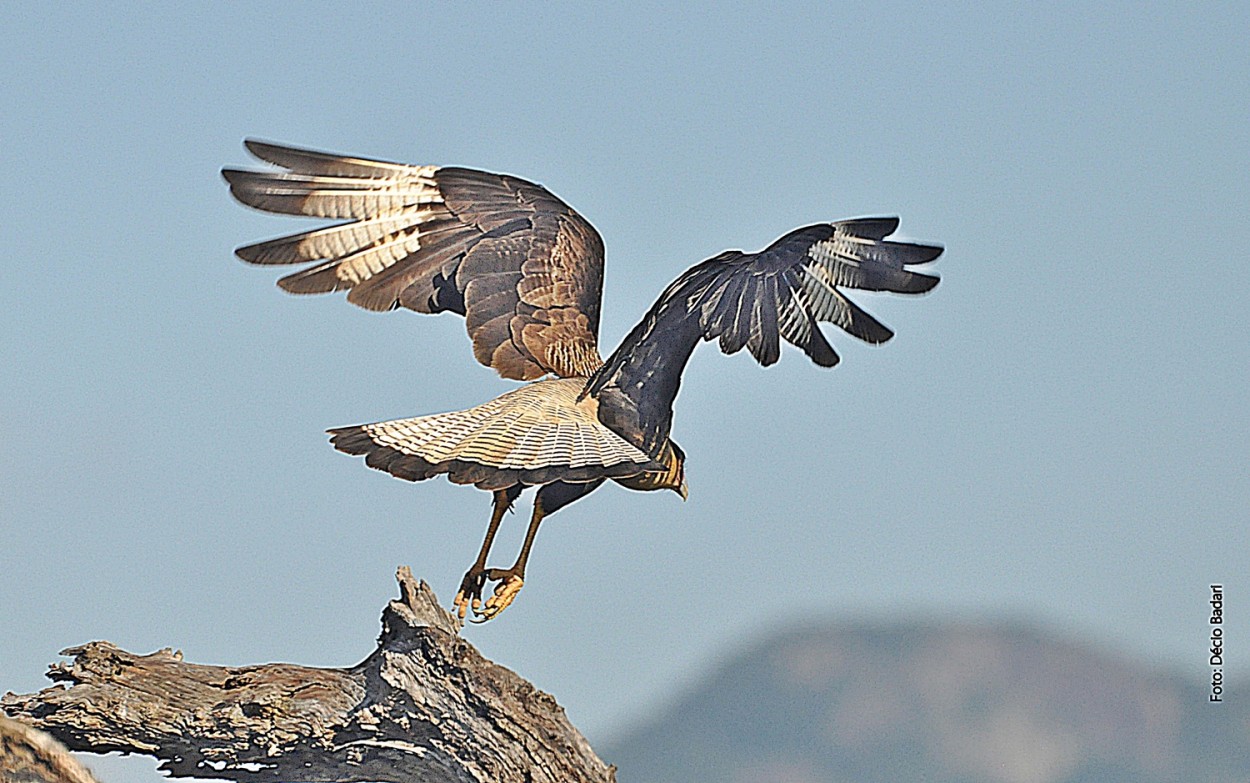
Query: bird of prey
526	272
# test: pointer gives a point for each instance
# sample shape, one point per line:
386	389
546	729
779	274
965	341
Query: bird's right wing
524	269
754	300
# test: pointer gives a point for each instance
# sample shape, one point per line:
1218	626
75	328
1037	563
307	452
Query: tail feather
534	435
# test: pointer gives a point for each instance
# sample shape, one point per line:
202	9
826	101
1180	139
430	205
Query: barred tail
534	435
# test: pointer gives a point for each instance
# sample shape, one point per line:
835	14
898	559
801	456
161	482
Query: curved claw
470	595
505	593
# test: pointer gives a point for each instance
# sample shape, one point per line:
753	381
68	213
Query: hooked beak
683	490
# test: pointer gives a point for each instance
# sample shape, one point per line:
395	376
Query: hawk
526	272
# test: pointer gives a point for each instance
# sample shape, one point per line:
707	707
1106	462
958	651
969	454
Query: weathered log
424	706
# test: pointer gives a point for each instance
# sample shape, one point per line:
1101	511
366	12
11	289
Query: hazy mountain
860	703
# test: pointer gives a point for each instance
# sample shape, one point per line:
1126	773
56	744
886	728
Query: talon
505	593
470	595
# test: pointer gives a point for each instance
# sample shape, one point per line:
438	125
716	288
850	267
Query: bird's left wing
754	300
524	269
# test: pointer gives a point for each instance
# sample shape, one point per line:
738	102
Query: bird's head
679	463
673	476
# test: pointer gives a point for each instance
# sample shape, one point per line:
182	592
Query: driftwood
425	706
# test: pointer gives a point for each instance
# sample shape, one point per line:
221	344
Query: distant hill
860	703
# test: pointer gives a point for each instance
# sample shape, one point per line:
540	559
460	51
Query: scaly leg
475	578
551	498
511	580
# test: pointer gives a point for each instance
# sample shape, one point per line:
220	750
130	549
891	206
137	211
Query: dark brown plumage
526	272
524	269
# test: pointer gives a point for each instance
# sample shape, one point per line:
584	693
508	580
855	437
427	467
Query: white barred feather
334	241
536	426
336	197
855	257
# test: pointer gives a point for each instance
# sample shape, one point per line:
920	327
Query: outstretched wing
524	269
754	300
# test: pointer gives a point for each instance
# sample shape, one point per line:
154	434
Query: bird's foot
505	593
470	595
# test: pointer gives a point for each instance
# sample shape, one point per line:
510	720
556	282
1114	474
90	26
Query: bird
525	270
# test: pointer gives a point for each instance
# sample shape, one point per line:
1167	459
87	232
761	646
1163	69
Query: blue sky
1057	433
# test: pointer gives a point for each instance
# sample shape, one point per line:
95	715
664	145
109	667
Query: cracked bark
424	707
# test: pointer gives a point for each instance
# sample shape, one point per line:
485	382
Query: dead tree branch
425	706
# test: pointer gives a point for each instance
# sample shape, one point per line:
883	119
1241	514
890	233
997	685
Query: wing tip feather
924	283
279	154
249	254
926	253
